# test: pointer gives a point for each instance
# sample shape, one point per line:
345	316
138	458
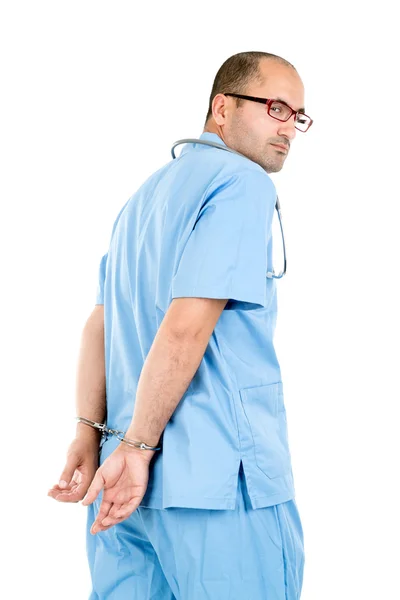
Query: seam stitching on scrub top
221	342
150	214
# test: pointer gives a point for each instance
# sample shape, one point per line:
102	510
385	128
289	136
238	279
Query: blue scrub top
201	227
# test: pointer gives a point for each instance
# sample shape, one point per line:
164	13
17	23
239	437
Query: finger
111	519
120	514
68	472
75	491
68	496
95	488
56	491
103	512
57	488
115	508
109	522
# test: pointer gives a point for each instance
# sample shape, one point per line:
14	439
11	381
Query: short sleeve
101	279
225	255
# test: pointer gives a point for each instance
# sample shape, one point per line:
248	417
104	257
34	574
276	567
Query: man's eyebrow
301	110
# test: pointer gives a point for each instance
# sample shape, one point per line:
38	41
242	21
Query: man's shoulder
247	179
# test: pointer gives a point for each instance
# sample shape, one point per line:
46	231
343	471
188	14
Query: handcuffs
104	429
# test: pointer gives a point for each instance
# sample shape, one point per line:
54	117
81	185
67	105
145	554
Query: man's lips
281	146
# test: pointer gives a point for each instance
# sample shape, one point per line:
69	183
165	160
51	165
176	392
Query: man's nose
287	129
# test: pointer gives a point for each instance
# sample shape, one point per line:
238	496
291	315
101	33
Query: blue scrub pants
199	554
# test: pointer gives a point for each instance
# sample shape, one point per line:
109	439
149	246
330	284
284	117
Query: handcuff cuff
107	430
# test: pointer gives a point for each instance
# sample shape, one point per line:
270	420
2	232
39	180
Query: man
178	354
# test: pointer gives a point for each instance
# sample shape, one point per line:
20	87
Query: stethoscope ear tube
281	274
270	274
204	143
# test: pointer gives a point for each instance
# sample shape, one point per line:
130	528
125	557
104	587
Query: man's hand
124	475
78	473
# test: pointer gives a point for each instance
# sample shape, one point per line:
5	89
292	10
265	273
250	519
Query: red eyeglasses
302	121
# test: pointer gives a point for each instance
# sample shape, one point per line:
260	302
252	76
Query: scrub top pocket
265	411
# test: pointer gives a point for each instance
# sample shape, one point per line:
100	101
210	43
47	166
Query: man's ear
219	108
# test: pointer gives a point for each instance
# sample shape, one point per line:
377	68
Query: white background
93	94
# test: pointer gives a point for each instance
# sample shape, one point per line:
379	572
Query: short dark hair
237	72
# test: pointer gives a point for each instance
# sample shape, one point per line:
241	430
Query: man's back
201	227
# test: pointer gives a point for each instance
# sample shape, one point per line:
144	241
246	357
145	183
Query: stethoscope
270	274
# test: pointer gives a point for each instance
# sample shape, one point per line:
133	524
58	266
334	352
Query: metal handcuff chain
118	434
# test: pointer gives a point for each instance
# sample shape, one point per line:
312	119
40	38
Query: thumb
68	472
94	488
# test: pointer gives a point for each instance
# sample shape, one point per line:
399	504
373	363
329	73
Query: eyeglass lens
282	113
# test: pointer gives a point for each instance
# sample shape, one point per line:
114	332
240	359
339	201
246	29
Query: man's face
250	130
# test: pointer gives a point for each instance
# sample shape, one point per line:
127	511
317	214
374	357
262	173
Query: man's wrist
87	432
147	454
142	435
